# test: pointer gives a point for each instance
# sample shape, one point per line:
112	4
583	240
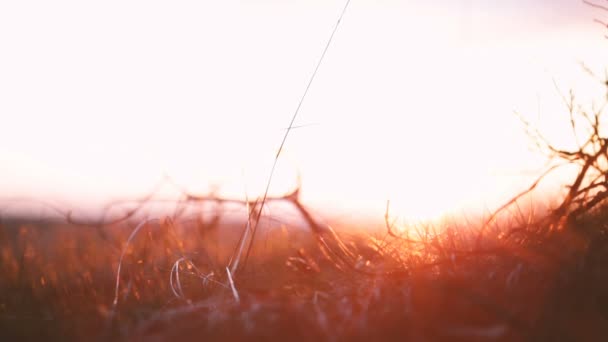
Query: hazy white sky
413	102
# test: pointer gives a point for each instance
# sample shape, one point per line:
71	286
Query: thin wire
291	125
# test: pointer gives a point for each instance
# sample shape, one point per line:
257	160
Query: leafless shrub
589	156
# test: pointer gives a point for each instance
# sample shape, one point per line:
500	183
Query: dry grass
59	281
518	276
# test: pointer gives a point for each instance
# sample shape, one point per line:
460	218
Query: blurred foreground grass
57	282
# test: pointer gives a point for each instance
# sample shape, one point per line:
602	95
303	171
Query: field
272	269
179	281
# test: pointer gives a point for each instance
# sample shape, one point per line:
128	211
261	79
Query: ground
58	281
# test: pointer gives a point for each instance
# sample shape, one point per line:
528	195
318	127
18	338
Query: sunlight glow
414	103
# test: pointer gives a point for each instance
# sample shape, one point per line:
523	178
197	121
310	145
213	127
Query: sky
413	103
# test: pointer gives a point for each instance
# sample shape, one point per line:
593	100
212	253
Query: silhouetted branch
596	5
589	187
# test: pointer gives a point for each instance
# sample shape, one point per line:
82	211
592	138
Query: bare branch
596	5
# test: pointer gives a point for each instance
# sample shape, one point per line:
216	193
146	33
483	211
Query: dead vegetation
187	275
209	271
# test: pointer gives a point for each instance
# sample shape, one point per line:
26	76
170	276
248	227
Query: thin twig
232	287
290	127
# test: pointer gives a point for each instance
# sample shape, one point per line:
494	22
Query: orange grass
57	281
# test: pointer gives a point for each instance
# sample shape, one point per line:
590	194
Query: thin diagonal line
291	123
